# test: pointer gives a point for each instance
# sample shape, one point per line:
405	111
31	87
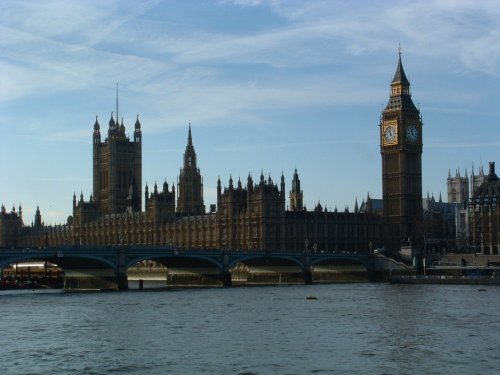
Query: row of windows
103	180
124	179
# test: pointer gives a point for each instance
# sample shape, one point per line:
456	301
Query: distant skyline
267	86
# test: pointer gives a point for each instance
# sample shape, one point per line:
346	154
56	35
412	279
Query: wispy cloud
321	56
61	179
58	46
459	145
81	135
248	3
234	148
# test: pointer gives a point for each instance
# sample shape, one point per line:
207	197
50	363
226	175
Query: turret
137	131
111	123
38	217
190	154
491	176
97	132
296	195
219	190
249	184
319	207
282	185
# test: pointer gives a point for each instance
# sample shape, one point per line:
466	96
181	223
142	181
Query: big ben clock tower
401	149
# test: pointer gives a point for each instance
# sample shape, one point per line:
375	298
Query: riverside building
252	216
249	215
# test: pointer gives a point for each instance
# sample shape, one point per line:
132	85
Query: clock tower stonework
401	149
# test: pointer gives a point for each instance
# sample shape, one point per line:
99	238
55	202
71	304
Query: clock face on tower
390	134
412	133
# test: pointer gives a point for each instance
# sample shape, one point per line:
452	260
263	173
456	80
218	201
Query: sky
267	85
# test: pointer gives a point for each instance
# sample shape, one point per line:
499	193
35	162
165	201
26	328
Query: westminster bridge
111	263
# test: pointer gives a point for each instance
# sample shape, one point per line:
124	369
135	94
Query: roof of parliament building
489	191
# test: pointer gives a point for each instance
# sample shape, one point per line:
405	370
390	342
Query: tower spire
190	183
117	102
400	76
190	139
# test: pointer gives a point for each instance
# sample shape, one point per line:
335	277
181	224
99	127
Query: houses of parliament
248	215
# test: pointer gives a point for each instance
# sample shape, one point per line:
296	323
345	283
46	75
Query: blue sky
267	85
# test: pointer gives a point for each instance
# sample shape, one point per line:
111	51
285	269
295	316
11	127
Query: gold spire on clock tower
400	84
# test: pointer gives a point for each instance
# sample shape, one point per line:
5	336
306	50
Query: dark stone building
252	216
11	224
440	230
401	149
117	169
484	215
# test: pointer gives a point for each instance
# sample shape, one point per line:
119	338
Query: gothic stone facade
11	224
484	215
401	150
250	217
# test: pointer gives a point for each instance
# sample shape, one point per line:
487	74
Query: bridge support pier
121	281
226	279
378	276
226	275
121	272
308	276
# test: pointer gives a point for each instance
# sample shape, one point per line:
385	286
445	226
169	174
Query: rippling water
348	329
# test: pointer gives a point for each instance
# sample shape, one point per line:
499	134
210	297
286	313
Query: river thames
348	329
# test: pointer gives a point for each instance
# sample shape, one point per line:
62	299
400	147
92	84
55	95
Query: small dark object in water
481	290
311	297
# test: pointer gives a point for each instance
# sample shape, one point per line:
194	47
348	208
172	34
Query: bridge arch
358	260
175	268
343	268
60	261
80	270
158	257
241	259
